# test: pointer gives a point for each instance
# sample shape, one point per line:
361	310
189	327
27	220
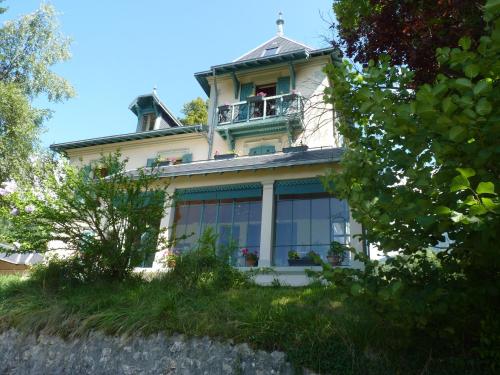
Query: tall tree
29	47
424	162
196	112
409	31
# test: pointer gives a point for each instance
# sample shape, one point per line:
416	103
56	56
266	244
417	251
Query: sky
123	48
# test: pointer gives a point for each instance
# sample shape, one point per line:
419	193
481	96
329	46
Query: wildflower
29	208
14	212
244	251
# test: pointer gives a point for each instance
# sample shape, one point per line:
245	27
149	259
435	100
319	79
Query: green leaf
471	70
485	188
448	106
442	210
456	132
356	289
478	210
463	83
492	6
466	172
483	107
457	216
489	204
482	87
465	42
459	183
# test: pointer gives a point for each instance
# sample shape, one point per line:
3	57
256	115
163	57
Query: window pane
193	222
338	209
284	210
253	235
209	215
255	211
320	221
338	228
302	221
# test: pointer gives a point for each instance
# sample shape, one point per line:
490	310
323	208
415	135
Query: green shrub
206	266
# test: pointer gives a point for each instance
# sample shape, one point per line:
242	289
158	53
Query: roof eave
61	147
235	66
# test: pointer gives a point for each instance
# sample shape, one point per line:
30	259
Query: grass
314	325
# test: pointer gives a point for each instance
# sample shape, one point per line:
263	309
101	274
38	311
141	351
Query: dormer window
148	121
270	51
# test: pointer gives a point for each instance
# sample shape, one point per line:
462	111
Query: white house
252	172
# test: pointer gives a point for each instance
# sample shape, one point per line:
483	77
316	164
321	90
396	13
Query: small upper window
148	121
270	51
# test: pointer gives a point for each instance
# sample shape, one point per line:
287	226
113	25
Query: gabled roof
150	100
282	45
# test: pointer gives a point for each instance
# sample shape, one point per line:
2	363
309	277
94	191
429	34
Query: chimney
279	24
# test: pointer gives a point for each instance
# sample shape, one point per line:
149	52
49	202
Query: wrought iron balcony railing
260	108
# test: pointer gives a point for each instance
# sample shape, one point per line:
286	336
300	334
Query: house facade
253	172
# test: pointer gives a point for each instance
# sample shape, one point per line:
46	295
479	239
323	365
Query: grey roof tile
309	157
283	44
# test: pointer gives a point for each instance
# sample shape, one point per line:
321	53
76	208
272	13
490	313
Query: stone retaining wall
158	354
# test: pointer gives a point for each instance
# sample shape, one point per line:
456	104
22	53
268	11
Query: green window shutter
246	90
262	150
250	190
150	163
299	186
187	158
283	86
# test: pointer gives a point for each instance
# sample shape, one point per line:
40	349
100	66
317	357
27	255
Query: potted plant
230	155
251	258
224	113
294	259
337	253
295	148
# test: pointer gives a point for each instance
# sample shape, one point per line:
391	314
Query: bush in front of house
107	218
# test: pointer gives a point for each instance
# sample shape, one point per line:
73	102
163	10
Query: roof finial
279	22
154	89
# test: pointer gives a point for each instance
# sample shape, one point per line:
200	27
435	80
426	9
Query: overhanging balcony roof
236	66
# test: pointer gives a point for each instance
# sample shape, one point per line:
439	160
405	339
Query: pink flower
14	212
261	93
244	251
29	208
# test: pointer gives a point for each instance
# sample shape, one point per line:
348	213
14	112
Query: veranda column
267	223
167	222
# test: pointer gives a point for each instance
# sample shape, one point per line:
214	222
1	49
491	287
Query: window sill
285	269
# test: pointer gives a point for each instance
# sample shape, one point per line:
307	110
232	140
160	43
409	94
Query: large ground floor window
236	221
308	222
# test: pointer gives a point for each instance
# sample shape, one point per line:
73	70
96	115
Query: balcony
260	115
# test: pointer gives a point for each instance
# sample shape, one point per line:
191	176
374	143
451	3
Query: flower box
303	262
300	148
225	156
